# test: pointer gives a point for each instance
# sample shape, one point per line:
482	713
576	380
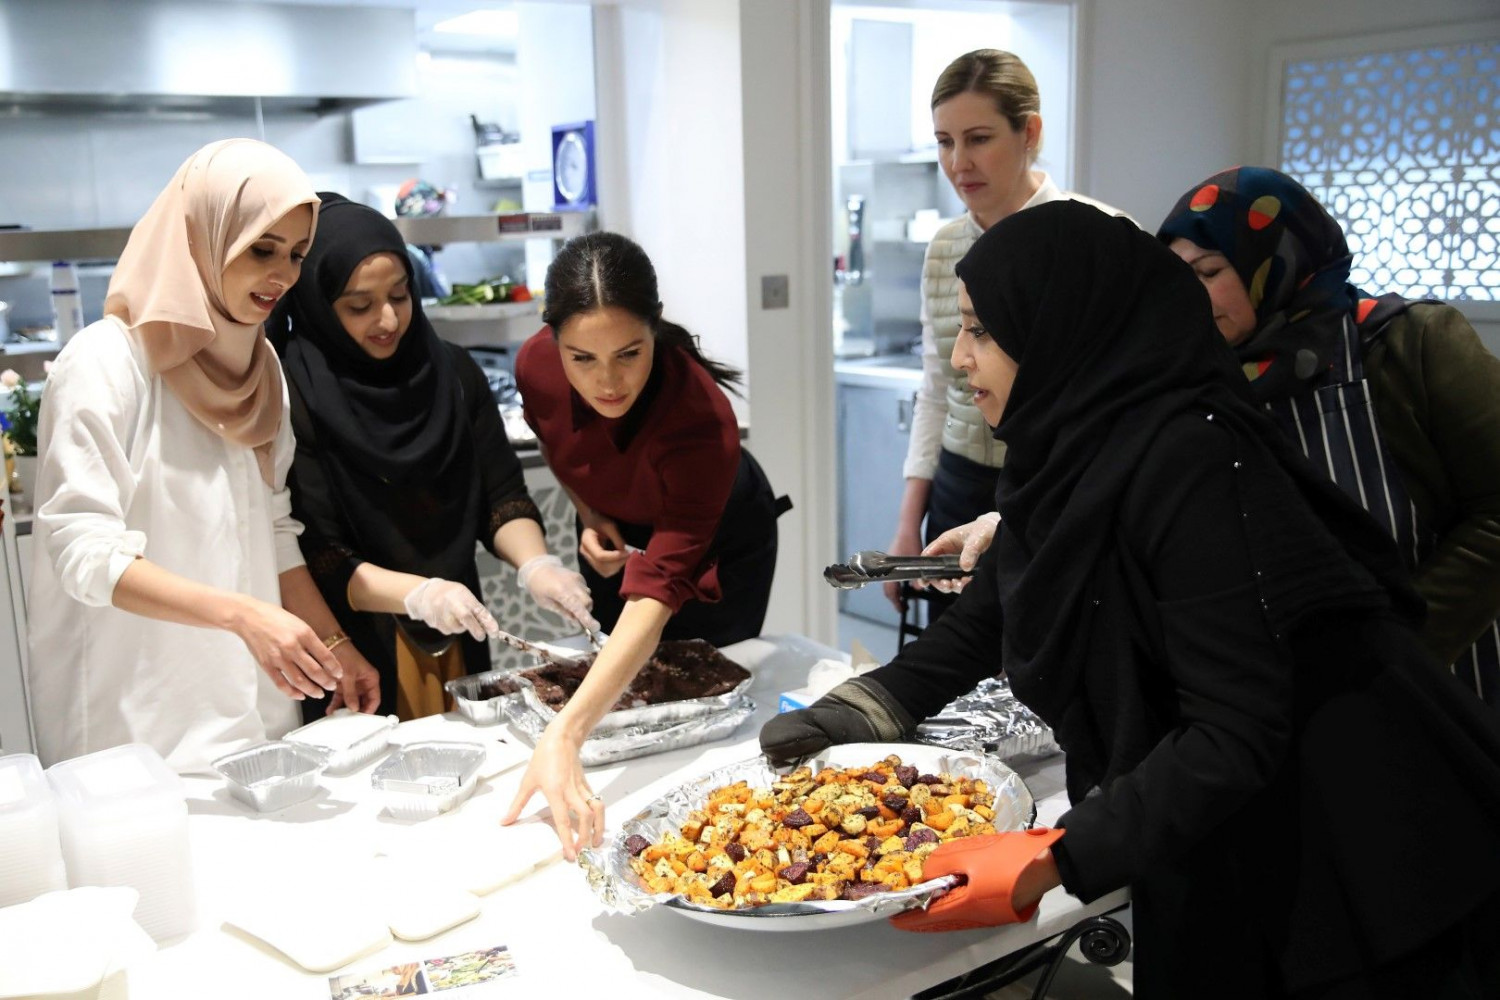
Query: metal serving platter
609	872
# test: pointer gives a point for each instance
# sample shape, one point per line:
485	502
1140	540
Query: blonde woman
986	115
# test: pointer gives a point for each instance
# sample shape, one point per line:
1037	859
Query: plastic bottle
67	304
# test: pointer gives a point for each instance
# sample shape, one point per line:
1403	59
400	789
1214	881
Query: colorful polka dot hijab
1292	257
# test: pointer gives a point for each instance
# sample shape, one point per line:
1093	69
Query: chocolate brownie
679	669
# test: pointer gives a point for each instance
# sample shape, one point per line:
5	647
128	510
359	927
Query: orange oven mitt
990	865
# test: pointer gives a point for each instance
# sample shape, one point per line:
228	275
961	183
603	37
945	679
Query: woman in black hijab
402	464
1257	742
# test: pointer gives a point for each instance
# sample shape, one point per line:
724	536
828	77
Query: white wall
1175	90
555	67
784	57
1163	98
672	170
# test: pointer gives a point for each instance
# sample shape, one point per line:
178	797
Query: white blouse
125	471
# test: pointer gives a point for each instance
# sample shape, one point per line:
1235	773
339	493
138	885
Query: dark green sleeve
1460	383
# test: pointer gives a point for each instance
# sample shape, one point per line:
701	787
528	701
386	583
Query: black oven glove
857	711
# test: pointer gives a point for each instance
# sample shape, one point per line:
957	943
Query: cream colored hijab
168	287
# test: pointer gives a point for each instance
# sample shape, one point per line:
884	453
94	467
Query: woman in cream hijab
166	549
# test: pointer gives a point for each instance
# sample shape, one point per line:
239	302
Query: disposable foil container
617	885
423	780
473	704
989	720
350	739
659	714
272	775
612	745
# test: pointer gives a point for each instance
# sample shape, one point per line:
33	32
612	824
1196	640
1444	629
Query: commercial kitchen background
721	125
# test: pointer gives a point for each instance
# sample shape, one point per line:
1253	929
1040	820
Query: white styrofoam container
123	821
31	860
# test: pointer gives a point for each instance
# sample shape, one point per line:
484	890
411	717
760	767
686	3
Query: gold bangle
335	640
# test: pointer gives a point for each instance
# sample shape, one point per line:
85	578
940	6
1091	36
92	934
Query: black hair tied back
602	269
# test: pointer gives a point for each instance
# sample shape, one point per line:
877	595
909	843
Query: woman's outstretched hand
555	771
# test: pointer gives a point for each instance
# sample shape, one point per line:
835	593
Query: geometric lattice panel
1403	147
513	608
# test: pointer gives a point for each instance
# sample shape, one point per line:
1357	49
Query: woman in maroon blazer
677	523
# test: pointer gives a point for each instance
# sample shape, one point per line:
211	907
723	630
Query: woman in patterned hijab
1397	401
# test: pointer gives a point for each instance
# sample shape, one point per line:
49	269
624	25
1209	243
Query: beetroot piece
817	859
797	819
895	803
875	776
860	890
723	886
929	779
796	873
736	852
911	814
869	812
919	837
635	844
907	775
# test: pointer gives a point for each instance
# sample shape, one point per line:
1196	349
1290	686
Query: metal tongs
878	567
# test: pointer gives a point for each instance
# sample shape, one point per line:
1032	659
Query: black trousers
745	547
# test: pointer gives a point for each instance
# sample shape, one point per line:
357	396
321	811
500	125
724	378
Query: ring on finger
595	797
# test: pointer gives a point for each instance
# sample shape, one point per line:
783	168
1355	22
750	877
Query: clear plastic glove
969	541
558	589
1000	871
450	608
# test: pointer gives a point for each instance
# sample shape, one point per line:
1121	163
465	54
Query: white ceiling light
490	22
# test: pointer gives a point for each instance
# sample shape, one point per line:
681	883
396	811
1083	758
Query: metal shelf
106	243
491	228
489	311
62	244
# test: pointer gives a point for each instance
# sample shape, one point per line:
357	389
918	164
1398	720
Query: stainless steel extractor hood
189	55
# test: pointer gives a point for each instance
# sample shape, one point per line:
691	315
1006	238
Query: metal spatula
556	659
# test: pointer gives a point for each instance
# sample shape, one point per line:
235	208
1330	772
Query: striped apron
1335	427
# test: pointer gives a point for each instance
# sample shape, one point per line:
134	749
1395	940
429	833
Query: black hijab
1114	336
392	435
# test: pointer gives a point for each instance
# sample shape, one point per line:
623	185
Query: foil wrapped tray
658	714
609	873
513	688
272	776
423	780
608	746
989	720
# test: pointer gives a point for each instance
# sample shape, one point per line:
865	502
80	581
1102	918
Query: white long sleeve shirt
125	471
